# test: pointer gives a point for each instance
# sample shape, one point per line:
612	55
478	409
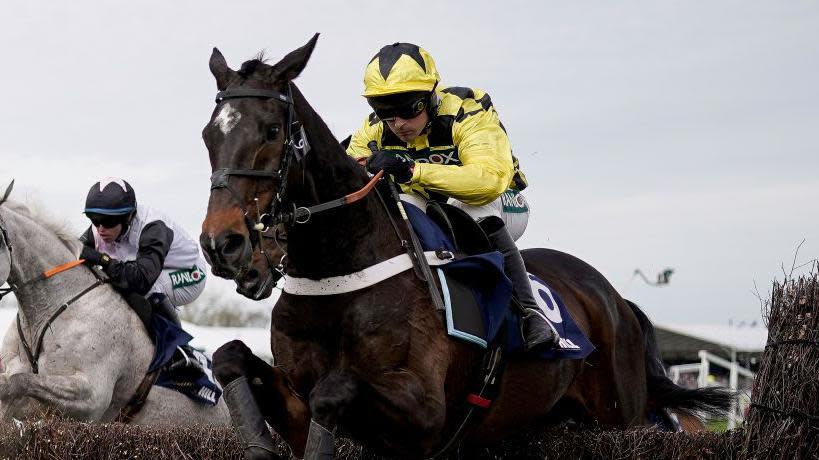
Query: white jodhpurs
511	207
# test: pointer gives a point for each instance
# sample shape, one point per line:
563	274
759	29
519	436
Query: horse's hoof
257	453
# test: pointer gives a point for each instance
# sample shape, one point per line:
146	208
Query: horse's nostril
233	245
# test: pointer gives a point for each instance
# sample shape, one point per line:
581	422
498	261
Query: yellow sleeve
366	133
486	162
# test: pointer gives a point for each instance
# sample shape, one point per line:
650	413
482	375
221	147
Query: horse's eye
273	132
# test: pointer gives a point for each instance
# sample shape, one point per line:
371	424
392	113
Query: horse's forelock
251	67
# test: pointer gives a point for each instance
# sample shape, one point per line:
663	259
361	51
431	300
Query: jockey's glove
94	257
399	167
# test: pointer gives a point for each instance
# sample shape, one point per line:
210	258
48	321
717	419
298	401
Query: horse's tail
665	394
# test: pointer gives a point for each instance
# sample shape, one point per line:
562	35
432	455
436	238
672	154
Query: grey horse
94	355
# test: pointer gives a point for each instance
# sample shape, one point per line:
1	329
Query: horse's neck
36	252
345	239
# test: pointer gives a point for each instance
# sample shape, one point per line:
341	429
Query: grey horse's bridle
34	348
4	236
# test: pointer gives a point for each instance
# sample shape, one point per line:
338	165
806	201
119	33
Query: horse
376	364
93	351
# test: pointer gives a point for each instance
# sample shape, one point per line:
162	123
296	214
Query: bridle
295	146
4	235
33	350
274	272
295	149
5	240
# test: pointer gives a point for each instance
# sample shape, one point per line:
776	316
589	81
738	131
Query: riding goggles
98	220
405	112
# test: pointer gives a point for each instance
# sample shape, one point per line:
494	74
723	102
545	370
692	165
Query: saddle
467	236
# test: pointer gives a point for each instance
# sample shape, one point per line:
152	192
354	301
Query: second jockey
143	252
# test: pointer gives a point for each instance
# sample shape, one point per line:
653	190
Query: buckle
443	254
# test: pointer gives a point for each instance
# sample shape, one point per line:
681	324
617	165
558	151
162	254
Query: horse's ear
8	192
291	65
220	69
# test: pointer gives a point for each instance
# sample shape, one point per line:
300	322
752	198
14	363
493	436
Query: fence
703	371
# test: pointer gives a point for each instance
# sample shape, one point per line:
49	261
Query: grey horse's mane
59	229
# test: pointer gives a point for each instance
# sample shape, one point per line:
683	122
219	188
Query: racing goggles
405	112
102	220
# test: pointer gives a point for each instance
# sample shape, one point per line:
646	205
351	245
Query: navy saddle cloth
200	386
477	294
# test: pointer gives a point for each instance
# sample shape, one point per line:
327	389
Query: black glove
94	257
397	166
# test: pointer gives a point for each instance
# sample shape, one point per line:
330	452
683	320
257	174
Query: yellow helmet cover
400	68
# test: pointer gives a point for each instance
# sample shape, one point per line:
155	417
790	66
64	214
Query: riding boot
320	443
536	330
248	420
184	357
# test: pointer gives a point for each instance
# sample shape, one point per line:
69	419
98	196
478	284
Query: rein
41	277
33	354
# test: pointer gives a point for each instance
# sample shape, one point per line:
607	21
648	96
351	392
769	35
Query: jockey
448	144
143	252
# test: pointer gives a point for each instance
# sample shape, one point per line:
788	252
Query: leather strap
252	92
361	279
137	401
33	355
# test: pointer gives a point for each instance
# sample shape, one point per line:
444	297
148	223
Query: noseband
4	235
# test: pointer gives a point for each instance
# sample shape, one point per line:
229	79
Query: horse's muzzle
226	253
256	285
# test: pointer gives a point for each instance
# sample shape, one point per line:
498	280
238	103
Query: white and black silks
151	244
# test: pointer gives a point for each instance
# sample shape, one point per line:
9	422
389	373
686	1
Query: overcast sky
653	134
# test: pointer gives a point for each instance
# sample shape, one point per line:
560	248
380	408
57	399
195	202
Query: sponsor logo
441	158
513	201
187	277
567	344
207	394
438	157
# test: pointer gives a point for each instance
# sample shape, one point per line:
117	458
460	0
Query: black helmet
111	197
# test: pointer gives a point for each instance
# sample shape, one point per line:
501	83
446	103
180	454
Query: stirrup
549	338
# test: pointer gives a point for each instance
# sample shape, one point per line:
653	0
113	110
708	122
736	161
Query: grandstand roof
682	342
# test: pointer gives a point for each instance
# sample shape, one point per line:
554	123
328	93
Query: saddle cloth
199	386
477	294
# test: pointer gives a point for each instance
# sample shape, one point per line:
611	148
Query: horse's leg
74	396
400	382
254	392
333	393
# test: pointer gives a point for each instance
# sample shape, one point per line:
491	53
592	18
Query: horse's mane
50	223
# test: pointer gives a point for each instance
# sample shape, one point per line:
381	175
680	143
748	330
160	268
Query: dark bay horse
376	363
